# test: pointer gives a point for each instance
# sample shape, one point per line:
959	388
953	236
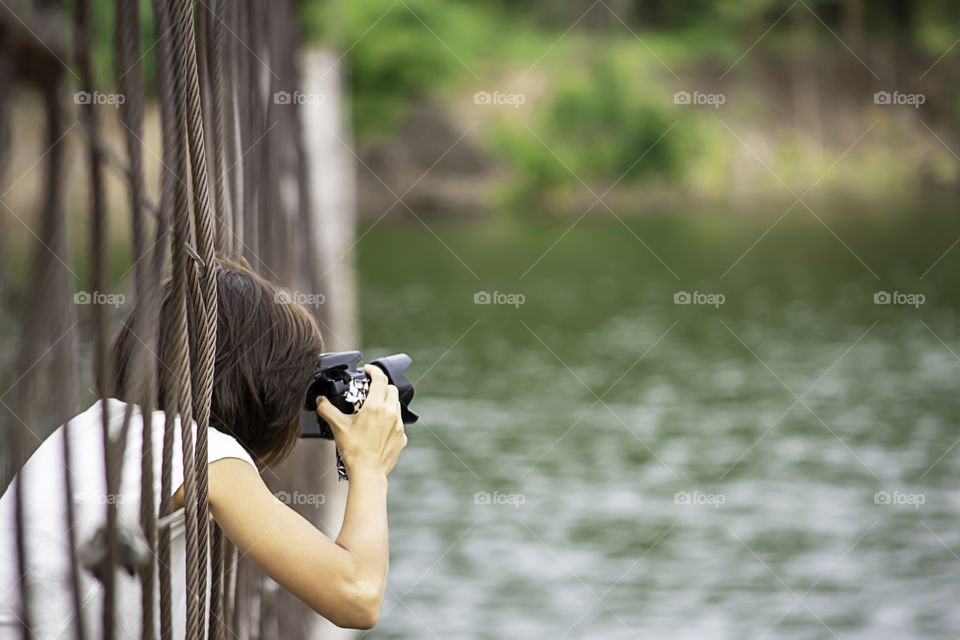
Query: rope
215	622
131	113
229	587
213	39
232	134
242	603
250	100
213	98
181	364
214	71
63	378
64	382
220	83
98	232
168	188
35	315
205	305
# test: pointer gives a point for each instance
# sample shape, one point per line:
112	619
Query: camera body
339	378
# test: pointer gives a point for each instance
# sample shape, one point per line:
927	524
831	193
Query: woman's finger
393	398
378	382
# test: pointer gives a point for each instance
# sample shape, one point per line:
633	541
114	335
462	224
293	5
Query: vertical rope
65	356
33	323
239	79
205	305
229	587
181	366
215	626
179	331
214	17
226	172
130	83
203	76
242	596
98	256
231	160
26	615
214	40
264	152
251	132
168	381
245	188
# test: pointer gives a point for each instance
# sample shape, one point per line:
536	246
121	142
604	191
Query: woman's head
267	350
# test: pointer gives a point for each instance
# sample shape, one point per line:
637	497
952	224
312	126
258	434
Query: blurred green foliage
599	126
393	60
602	102
600	106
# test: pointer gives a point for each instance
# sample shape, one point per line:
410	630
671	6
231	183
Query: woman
267	349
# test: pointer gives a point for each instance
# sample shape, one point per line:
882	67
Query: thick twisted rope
188	386
220	83
212	33
180	365
168	380
214	43
205	305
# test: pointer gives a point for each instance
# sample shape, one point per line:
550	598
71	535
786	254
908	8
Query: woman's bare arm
345	580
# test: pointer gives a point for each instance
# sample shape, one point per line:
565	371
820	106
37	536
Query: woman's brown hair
267	350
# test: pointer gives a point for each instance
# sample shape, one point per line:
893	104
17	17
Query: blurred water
650	469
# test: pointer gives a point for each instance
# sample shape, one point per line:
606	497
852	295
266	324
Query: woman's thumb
329	412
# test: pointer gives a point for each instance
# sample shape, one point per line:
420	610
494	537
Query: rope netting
218	65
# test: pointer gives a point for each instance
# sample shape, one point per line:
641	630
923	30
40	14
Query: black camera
343	383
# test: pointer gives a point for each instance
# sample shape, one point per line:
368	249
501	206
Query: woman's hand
372	438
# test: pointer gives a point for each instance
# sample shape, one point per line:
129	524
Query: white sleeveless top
45	525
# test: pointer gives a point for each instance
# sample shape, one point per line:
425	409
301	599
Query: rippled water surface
600	462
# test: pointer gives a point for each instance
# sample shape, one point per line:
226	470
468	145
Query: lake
697	427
